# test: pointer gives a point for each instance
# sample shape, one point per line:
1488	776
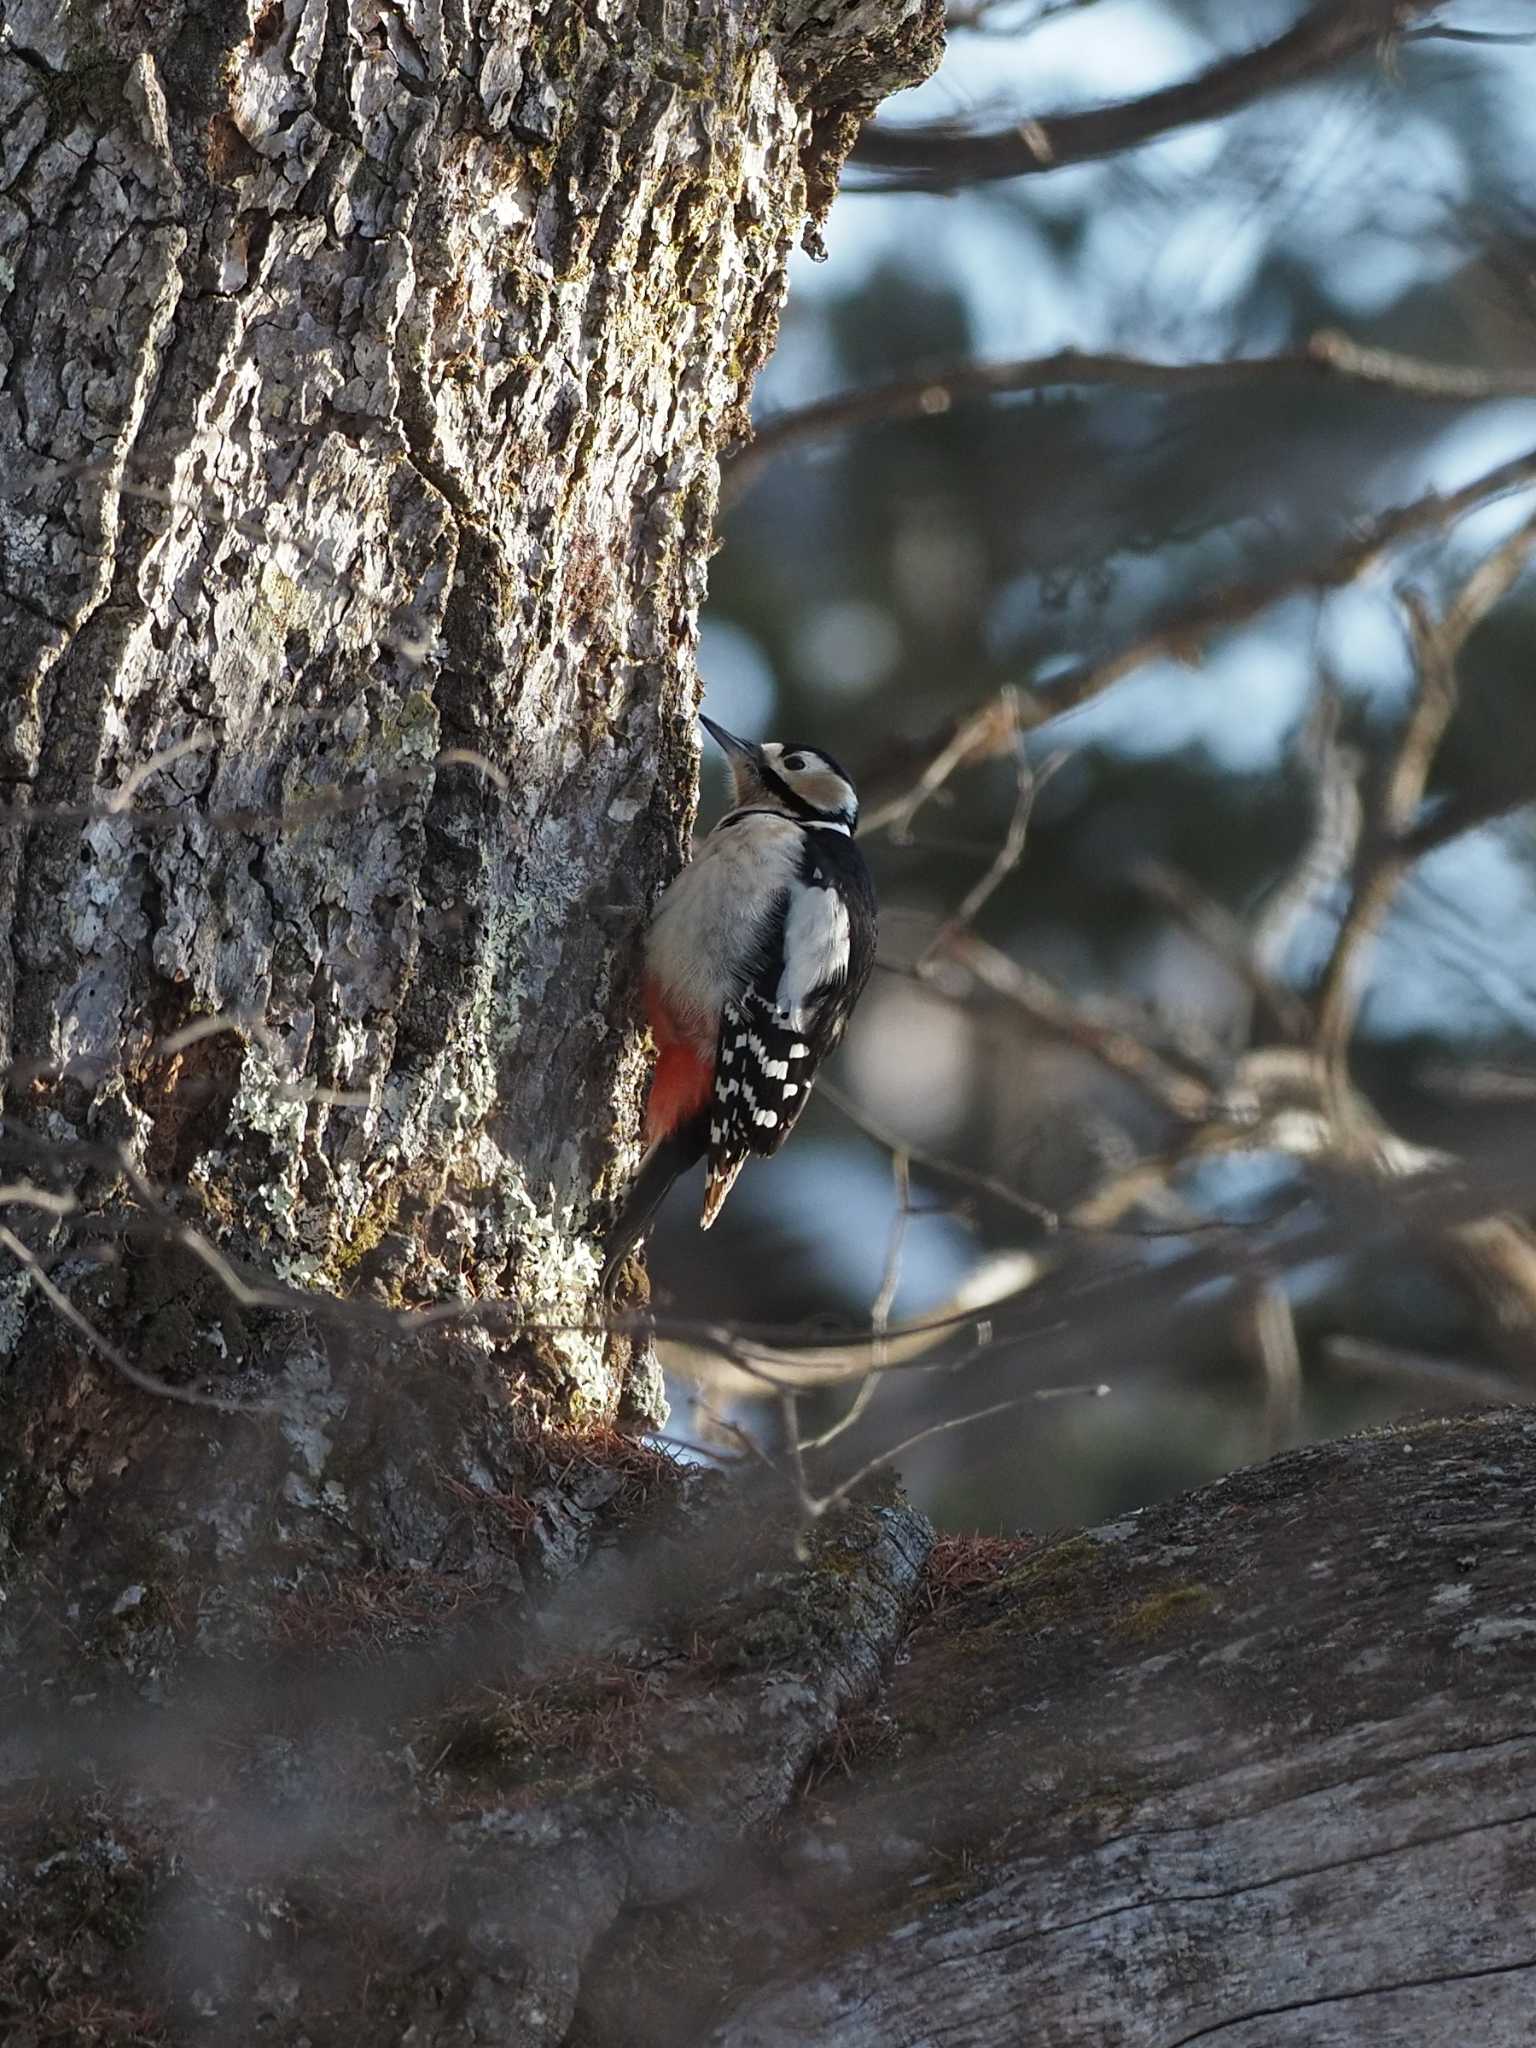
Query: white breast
707	925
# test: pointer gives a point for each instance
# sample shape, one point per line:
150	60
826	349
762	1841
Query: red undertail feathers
680	1086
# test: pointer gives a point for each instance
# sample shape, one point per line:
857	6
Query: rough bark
364	371
1254	1767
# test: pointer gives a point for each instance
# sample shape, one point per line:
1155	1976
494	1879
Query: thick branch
935	158
1327	356
1234	1768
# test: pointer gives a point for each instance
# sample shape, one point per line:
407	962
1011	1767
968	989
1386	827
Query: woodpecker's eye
795	761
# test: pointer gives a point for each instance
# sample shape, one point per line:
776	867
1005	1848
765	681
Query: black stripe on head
785	794
792	800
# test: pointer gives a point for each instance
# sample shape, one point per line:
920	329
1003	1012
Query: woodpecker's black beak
744	760
729	745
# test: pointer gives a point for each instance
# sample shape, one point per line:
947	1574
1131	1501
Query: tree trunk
365	371
365	368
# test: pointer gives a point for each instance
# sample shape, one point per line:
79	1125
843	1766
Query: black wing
767	1054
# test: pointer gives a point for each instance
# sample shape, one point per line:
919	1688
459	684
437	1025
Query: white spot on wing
815	948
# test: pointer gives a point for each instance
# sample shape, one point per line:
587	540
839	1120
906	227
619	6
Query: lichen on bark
365	371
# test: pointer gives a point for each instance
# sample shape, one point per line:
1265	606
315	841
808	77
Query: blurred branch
977	16
60	1302
942	156
1497	36
1328	357
1226	938
338	800
1332	774
1096	1391
1121	1051
1391	1362
930	1162
880	1309
1008	855
1184	637
1269	1328
1385	852
979	736
1464	814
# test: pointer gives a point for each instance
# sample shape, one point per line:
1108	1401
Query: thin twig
1009	854
975	17
841	1491
1270	1328
1226	938
1181	1095
1499	37
1332	774
880	1309
980	736
1328	357
1384	855
336	801
931	1162
104	1348
122	797
1184	637
1394	1362
21	1194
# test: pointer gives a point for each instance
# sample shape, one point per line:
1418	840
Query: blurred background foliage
880	584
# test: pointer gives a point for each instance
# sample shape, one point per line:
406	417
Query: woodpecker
754	960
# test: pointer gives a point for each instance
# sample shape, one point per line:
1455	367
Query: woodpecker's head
802	781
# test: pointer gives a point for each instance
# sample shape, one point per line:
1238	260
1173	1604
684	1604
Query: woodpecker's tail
667	1158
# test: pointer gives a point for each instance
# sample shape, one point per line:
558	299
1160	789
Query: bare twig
1118	1049
21	1194
937	158
124	1367
122	797
931	1162
880	1309
1008	855
1384	854
1227	938
1502	37
1392	1362
1332	775
326	803
841	1491
1183	638
1328	357
1270	1329
976	17
980	736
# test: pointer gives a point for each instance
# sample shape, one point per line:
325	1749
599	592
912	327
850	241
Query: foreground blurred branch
940	157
